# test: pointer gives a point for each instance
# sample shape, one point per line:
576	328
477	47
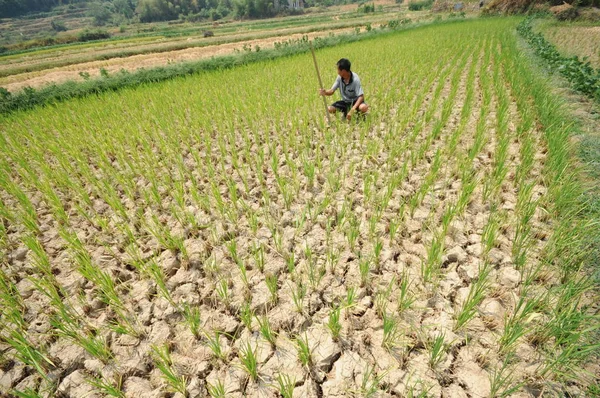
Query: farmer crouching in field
350	89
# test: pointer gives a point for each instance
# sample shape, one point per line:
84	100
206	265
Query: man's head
343	67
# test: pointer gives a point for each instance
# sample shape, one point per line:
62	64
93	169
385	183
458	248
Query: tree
124	8
156	10
100	12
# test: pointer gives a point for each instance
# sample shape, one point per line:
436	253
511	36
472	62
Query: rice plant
286	385
216	390
191	316
264	326
304	351
247	357
162	360
333	324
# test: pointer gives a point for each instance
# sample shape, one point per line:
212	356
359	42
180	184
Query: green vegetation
420	5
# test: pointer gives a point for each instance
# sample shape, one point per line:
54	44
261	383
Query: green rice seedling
290	262
216	390
309	171
308	255
92	272
447	217
437	350
470	182
259	257
278	240
382	298
111	389
264	326
373	221
212	267
164	363
191	316
522	239
350	299
39	256
371	381
223	293
515	324
244	274
394	224
298	294
233	252
28	215
315	274
252	219
364	268
24	350
490	231
304	351
246	314
352	231
158	276
377	248
12	308
332	259
334	325
286	385
27	393
214	343
476	295
502	378
271	281
166	239
390	332
249	362
94	344
431	267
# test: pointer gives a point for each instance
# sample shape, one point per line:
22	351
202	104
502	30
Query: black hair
344	64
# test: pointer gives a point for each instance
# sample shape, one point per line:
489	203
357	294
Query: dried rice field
213	236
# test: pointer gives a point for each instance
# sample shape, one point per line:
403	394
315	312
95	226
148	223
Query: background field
582	40
211	234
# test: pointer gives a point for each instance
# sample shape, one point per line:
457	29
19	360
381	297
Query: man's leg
363	108
339	106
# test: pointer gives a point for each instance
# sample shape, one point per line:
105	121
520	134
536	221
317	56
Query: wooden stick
312	50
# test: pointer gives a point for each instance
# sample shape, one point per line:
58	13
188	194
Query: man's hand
349	115
322	91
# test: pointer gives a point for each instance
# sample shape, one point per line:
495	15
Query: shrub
564	12
420	5
58	26
366	8
88	35
569	14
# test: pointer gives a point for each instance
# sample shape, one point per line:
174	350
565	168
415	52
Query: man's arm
329	92
357	103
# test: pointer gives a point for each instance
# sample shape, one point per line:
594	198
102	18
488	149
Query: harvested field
571	40
212	236
42	78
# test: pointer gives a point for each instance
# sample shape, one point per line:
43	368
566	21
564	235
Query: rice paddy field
214	236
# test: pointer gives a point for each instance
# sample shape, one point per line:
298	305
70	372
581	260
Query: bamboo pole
312	50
